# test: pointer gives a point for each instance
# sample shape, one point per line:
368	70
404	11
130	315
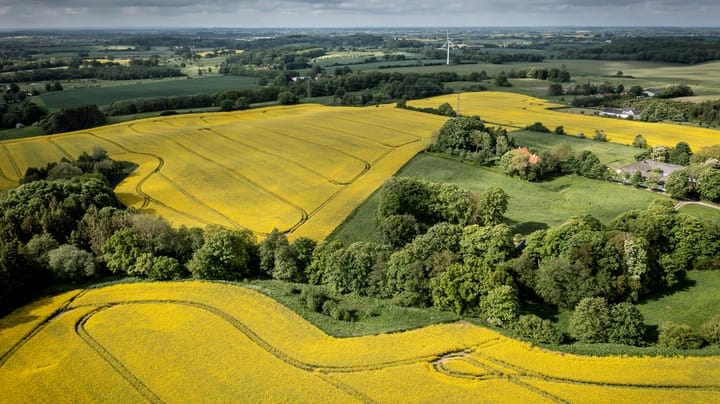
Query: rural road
708	205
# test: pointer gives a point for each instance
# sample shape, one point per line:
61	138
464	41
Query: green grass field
532	206
693	302
161	88
28	131
611	154
375	315
701	77
702	212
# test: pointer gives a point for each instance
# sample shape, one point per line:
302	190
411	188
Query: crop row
279	167
153	340
516	110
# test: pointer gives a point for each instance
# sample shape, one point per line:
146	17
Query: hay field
509	109
301	169
200	342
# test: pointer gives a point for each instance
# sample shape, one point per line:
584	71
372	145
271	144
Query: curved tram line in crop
214	131
235	173
305	216
147	199
12	161
478	355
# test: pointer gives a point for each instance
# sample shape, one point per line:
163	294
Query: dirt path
707	205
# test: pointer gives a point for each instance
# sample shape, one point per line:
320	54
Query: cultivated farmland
301	169
196	341
519	111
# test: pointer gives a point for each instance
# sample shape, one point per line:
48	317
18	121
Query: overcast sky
354	13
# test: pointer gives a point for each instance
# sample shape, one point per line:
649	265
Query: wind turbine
448	44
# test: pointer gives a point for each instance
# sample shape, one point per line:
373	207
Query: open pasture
198	341
300	169
102	93
509	109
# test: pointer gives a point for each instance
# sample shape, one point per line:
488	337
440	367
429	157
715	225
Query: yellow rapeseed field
300	168
211	342
517	110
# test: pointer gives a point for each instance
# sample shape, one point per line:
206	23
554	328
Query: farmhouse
624	113
645	167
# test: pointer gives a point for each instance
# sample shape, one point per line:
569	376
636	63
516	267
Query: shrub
398	230
537	127
500	306
537	329
679	336
165	268
314	299
626	325
70	263
710	331
590	320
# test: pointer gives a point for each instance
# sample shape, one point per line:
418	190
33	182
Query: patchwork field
217	342
516	110
301	169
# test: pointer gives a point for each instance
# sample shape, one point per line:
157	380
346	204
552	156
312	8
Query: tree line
684	50
104	72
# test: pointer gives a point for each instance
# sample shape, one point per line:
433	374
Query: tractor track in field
530	374
275	155
239	176
116	364
5	177
348	133
264	151
301	139
415	137
490	368
12	161
333	196
61	149
147	199
39	327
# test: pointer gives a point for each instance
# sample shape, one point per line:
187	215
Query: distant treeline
673	50
245	96
100	73
280	58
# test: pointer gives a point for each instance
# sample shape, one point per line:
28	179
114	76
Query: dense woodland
686	50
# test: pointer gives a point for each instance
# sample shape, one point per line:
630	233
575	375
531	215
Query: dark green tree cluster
444	258
682	336
378	86
226	100
70	119
65	224
429	203
469	138
285	58
22	112
595	321
38	218
533	165
686	50
700	180
110	72
97	162
639	252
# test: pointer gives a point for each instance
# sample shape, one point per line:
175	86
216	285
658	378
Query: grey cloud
230	13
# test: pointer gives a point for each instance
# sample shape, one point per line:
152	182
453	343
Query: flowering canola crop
201	341
518	111
301	169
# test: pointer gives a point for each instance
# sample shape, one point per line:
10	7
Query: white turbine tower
448	44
